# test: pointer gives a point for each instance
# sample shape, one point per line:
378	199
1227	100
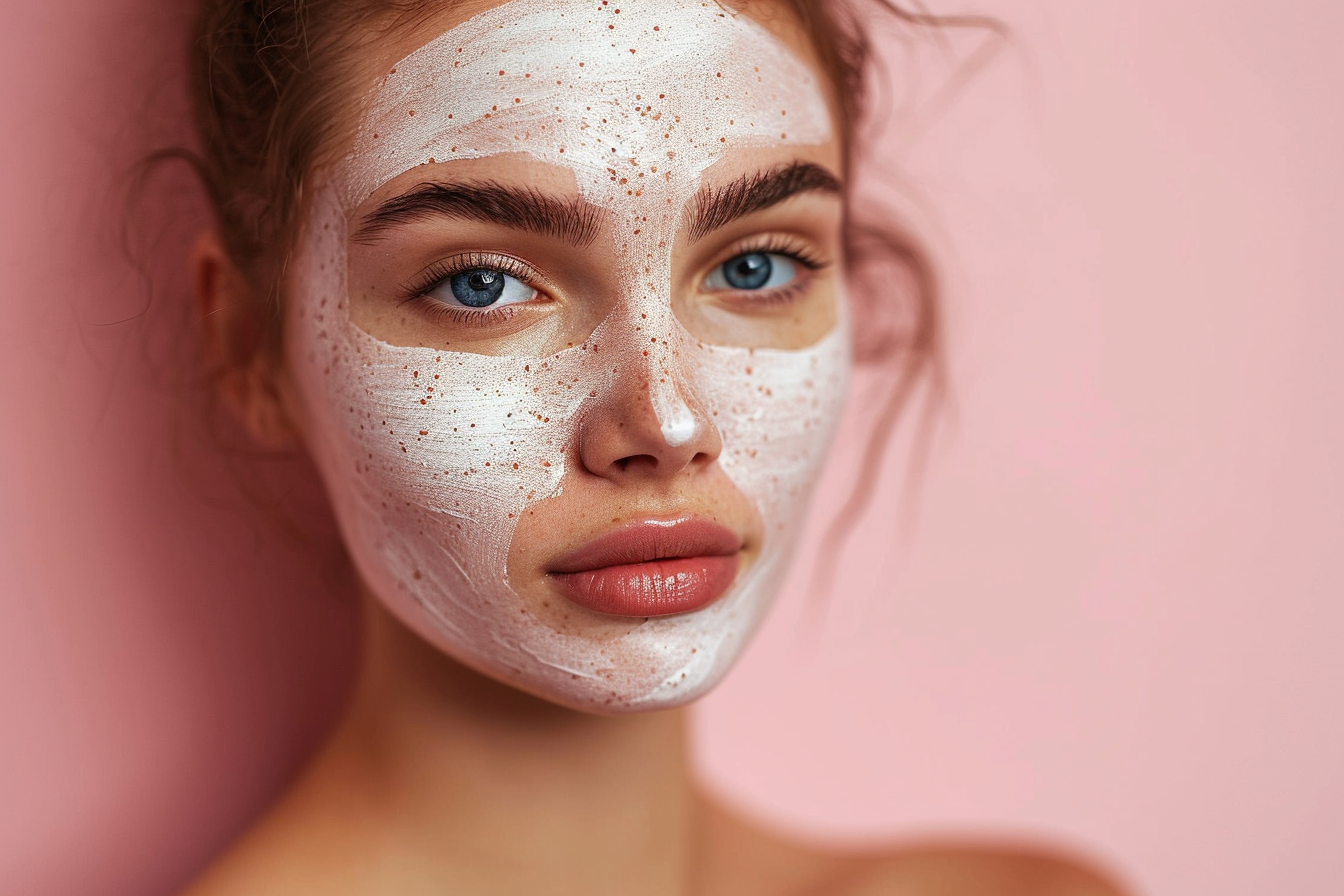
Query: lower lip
654	588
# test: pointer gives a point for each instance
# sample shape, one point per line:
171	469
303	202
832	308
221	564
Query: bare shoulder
743	858
273	859
973	869
291	851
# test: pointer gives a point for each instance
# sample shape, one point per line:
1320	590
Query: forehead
620	89
403	37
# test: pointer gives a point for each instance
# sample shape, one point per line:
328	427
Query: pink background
1106	615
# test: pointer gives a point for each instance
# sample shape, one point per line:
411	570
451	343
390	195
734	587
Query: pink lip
651	568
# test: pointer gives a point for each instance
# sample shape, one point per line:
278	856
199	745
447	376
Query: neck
478	782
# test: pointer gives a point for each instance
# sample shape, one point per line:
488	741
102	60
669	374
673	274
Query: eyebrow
719	206
570	219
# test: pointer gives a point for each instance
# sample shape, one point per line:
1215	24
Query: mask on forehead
433	456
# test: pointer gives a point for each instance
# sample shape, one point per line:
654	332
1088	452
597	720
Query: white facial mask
431	456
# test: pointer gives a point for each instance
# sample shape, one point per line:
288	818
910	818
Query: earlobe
246	369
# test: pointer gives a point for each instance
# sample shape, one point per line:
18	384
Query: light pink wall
1106	618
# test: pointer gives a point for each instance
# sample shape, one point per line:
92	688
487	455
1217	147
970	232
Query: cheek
429	456
777	411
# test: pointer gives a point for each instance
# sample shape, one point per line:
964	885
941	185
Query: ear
248	374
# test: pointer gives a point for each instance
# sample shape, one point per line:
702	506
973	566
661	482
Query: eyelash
781	244
438	273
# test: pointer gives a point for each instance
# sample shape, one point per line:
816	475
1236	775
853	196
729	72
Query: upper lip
648	540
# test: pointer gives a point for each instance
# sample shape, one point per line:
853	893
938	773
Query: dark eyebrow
571	220
753	192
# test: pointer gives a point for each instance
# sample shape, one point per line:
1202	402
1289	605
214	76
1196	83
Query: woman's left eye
481	288
753	271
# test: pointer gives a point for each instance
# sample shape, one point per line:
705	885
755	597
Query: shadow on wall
169	653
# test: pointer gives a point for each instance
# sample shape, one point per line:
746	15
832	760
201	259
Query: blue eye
481	288
753	271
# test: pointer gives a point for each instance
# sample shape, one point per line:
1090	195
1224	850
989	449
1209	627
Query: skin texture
441	779
467	450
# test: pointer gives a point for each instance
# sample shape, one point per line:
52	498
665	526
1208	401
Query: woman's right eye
481	288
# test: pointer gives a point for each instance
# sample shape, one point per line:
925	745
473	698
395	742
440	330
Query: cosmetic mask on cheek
431	456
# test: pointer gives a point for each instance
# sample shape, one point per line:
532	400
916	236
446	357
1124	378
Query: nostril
624	463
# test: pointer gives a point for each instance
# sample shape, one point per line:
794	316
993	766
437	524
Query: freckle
655	27
545	463
501	71
410	112
515	466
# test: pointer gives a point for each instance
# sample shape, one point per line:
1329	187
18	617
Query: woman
553	293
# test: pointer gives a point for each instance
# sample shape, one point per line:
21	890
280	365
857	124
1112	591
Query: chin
586	661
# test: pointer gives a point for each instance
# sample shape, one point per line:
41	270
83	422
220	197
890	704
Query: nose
649	422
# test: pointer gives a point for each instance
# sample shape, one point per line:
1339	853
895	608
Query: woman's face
567	337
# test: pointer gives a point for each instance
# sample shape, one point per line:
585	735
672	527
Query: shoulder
972	869
292	850
742	857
